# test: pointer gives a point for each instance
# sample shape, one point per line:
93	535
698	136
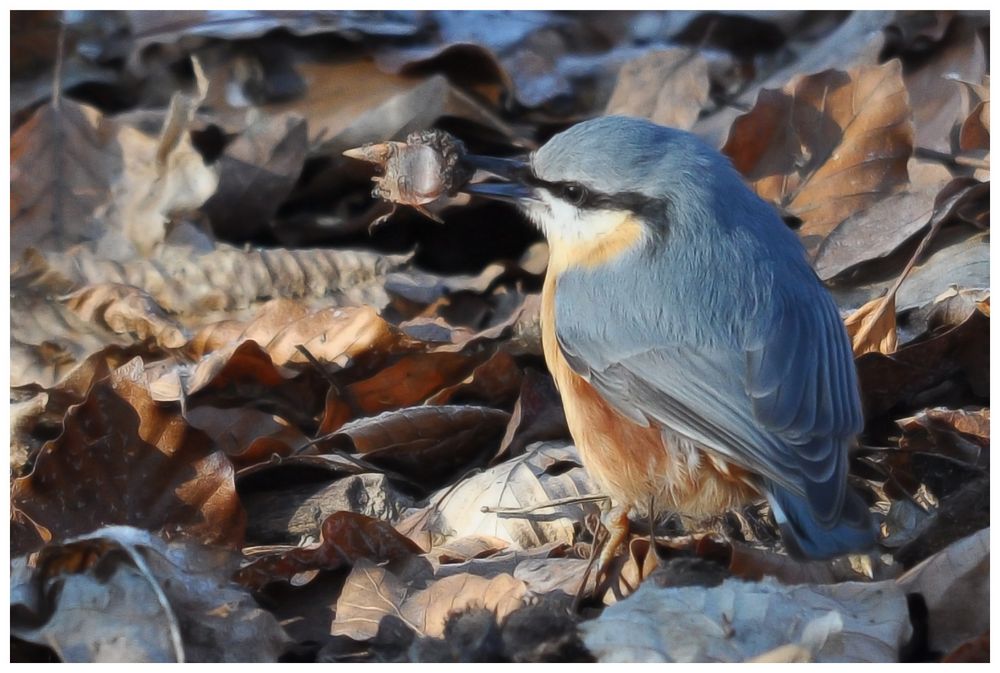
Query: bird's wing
784	405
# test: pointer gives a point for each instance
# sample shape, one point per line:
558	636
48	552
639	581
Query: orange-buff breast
636	465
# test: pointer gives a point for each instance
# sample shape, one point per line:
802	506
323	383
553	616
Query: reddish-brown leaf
426	443
975	132
963	434
346	538
122	459
537	417
247	435
827	145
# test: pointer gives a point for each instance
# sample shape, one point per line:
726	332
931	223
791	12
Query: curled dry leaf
162	176
282	508
538	416
826	145
123	459
127	310
668	87
192	284
372	593
350	103
975	131
49	341
409	381
738	620
257	171
123	594
876	232
857	41
428	444
467	548
347	539
333	335
46	154
872	328
955	353
243	366
495	382
955	585
546	472
961	433
934	87
247	435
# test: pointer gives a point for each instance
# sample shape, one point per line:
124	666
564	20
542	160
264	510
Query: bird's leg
615	520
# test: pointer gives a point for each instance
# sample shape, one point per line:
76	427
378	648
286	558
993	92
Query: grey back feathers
716	328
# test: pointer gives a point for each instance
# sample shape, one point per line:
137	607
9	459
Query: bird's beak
513	171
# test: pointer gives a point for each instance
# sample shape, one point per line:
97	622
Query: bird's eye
574	193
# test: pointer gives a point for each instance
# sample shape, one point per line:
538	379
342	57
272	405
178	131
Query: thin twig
319	367
957	159
594	547
571	500
57	71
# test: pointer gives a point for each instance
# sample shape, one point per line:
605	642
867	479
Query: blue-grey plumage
687	304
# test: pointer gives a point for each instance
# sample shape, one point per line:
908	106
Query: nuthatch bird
700	361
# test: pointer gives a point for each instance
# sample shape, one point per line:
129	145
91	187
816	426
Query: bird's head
608	184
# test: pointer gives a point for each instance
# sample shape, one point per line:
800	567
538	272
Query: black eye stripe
594	200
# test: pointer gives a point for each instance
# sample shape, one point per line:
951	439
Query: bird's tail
804	536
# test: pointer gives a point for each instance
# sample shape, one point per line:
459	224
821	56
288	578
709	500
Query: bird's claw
615	520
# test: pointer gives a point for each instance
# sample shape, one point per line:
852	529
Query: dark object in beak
512	170
512	192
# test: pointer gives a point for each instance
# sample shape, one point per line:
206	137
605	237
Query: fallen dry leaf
347	539
738	620
857	41
428	443
466	548
121	459
872	235
257	172
888	380
973	651
934	89
161	176
668	87
123	594
961	433
826	145
195	283
372	593
49	341
495	382
537	417
872	328
955	585
124	309
64	148
975	131
411	380
289	505
546	472
246	435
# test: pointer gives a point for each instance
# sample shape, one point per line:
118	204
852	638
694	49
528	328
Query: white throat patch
560	220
